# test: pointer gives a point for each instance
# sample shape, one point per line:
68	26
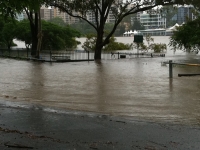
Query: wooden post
170	69
118	55
27	52
88	55
50	55
18	53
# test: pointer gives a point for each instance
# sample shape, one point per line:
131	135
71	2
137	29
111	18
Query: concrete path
36	129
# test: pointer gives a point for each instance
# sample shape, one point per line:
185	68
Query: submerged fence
76	55
171	63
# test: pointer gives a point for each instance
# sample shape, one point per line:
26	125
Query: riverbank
37	129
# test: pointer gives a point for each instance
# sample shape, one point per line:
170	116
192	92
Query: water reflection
36	81
101	87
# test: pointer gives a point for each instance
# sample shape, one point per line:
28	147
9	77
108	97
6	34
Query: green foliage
158	47
58	38
7	32
58	21
140	46
186	37
120	30
149	39
11	7
90	42
113	45
23	32
83	27
54	37
155	47
101	9
137	25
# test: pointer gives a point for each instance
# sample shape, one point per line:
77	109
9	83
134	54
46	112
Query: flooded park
134	88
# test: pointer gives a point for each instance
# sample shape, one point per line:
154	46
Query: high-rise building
152	21
72	20
184	14
65	17
58	13
46	13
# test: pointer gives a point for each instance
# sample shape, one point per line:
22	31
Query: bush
90	42
158	48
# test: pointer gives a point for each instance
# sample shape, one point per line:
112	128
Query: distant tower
184	14
46	13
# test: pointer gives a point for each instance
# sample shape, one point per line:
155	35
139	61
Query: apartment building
72	20
62	15
152	21
46	13
65	17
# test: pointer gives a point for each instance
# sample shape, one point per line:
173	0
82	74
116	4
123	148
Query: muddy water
137	88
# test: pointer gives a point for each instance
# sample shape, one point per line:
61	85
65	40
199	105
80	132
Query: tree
83	28
113	45
54	37
7	32
155	47
120	30
102	9
137	25
23	33
32	9
169	12
89	44
58	21
187	36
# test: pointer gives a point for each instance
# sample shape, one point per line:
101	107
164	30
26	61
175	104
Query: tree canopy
58	21
137	25
55	37
32	8
187	36
7	32
23	32
169	12
101	9
89	44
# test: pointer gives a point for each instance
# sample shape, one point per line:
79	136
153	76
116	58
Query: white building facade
152	21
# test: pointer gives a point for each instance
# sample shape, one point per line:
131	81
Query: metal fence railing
76	55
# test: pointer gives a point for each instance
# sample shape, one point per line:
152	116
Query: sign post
138	38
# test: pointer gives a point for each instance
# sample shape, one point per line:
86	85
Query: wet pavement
22	128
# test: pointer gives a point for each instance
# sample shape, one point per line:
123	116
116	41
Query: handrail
186	64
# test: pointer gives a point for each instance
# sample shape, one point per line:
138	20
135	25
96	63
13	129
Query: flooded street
137	88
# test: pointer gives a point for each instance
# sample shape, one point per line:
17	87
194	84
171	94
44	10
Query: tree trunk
99	44
34	43
34	32
97	54
39	36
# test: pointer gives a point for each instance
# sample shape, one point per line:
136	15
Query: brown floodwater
135	88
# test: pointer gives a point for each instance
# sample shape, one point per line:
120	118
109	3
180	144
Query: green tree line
100	8
55	37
